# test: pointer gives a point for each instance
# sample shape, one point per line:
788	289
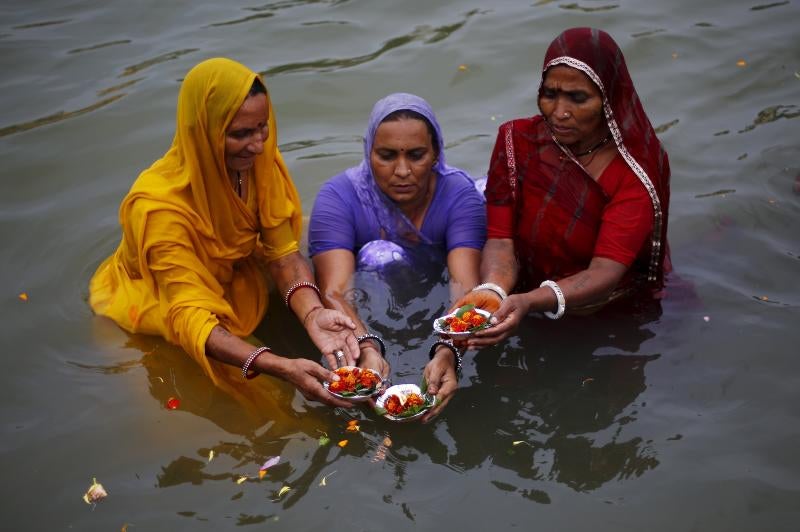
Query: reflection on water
559	402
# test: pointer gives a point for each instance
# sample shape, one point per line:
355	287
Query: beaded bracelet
296	286
453	348
497	289
377	339
559	297
246	371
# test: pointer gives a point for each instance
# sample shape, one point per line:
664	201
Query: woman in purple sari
401	206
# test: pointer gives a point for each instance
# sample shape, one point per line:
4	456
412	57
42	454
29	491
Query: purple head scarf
397	227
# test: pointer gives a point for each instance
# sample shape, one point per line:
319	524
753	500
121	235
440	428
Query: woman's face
402	160
247	133
573	106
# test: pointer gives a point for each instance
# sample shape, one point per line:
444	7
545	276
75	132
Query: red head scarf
595	53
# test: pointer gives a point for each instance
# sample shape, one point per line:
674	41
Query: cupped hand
331	330
307	376
504	320
483	299
440	374
371	358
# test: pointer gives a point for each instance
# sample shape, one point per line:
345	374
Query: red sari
559	217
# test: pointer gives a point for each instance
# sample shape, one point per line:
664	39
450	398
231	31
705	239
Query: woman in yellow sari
196	225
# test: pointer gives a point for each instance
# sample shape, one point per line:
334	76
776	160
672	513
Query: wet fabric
560	217
191	249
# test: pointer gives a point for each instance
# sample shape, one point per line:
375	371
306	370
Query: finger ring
339	354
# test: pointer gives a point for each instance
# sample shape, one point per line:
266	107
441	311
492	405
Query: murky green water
683	417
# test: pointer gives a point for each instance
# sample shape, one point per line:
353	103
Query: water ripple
767	6
663	127
425	34
98	46
646	33
119	86
312	143
268	10
465	140
241	20
169	56
56	117
771	114
578	7
325	23
723	192
41	24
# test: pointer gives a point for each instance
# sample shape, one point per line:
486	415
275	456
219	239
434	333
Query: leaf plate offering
462	323
354	384
403	402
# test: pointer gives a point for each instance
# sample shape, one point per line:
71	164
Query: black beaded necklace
597	146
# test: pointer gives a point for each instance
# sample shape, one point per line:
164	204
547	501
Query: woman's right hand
440	374
307	376
504	320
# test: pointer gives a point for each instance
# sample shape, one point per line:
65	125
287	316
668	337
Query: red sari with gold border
559	217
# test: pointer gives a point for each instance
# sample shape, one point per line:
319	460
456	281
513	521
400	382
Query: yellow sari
190	248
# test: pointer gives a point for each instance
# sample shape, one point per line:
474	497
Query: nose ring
566	114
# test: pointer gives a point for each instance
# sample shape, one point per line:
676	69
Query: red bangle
246	371
296	286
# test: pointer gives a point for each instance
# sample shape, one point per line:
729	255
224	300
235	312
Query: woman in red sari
577	196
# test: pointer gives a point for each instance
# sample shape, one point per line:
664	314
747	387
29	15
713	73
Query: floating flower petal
23	296
271	461
342	443
324	481
95	493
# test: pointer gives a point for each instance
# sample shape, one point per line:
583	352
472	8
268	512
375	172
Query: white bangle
494	288
559	296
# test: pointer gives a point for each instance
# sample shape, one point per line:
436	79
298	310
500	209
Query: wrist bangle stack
494	288
375	338
246	371
559	297
448	344
296	286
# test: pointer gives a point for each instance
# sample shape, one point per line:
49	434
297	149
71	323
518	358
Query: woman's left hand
331	331
504	322
371	358
440	374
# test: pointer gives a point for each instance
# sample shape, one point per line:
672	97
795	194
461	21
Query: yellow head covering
186	261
